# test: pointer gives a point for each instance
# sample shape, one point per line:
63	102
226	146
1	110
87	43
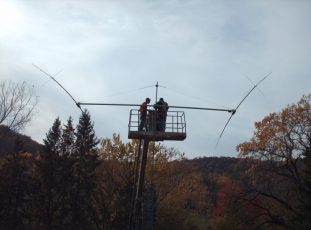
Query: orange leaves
226	197
279	142
280	135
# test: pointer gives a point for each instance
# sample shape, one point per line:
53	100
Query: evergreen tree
68	138
66	167
14	189
84	216
47	189
52	143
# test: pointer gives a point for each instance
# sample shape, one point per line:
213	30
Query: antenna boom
138	105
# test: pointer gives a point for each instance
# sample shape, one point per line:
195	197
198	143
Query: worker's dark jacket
161	108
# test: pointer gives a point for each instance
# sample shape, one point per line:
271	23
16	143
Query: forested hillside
78	181
7	140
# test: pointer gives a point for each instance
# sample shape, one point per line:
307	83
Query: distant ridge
7	141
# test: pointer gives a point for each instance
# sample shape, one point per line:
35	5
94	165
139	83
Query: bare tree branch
17	105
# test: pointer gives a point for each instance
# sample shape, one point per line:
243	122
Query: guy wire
195	97
118	93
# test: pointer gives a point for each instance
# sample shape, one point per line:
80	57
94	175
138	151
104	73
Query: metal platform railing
175	121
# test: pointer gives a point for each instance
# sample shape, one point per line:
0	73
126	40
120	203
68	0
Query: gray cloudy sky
201	53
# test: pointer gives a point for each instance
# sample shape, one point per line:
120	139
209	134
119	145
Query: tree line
78	181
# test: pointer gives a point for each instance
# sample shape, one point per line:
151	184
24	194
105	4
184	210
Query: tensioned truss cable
119	93
195	97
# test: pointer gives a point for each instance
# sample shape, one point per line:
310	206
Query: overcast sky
201	53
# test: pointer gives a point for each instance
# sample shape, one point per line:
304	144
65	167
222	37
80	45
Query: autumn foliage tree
179	191
115	189
275	151
233	208
226	196
15	203
302	219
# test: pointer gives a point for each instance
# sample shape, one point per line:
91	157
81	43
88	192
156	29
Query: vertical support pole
135	185
156	93
141	178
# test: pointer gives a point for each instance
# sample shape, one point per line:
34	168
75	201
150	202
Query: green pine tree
53	141
68	138
85	182
48	186
66	170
